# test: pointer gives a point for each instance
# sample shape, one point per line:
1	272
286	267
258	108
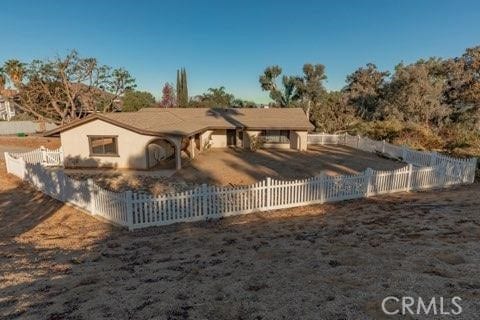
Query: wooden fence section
425	170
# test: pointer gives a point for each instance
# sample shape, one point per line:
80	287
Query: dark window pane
276	136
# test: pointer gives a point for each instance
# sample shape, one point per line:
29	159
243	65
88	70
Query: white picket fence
137	210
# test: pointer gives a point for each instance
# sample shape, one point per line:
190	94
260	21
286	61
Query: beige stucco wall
131	147
218	139
298	140
277	145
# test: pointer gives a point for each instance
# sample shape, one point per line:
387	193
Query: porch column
191	146
178	151
200	141
178	158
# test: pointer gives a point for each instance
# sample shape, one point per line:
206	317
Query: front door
231	138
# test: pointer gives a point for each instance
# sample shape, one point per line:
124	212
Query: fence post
129	206
358	141
268	192
472	171
322	187
204	196
368	181
44	154
61	156
91	190
6	156
23	164
321	140
433	158
409	177
383	146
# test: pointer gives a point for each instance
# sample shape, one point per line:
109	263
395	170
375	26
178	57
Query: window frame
90	146
264	135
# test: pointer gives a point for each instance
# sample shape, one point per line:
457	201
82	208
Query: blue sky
230	43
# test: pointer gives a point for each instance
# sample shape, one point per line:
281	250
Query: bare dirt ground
240	167
335	261
225	166
222	166
25	144
31	142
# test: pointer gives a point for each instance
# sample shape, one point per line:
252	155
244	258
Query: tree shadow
237	166
71	266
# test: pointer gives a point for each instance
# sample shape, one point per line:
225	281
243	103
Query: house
153	136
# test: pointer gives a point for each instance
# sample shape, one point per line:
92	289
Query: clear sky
230	43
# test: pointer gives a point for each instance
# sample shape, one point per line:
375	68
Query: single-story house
145	139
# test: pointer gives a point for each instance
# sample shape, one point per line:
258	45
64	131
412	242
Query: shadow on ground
239	167
335	261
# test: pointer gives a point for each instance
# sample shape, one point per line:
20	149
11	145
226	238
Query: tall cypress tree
179	89
185	87
182	88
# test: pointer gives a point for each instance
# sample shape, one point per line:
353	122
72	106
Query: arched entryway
163	153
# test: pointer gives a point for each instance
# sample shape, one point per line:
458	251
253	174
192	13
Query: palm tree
217	97
3	79
284	96
15	70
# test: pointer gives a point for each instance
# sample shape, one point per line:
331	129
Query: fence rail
424	170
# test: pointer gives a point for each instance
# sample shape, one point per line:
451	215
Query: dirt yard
239	167
31	142
225	166
335	261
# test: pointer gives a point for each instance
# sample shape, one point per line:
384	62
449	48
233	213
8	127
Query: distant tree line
432	103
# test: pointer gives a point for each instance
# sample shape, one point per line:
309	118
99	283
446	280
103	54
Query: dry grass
335	261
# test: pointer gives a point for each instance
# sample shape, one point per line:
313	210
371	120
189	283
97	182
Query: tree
216	97
331	113
310	87
240	103
168	97
15	71
66	88
364	90
3	79
135	100
462	92
415	94
284	96
182	88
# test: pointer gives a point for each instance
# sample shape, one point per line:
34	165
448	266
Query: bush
380	130
256	142
420	137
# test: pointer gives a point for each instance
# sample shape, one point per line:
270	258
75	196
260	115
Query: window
103	145
276	136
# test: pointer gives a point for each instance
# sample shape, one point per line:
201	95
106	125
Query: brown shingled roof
188	121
